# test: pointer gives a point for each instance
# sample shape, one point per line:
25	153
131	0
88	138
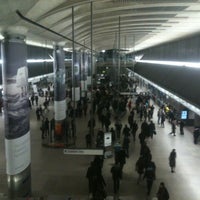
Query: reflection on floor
58	175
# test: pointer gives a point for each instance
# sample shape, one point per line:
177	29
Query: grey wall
187	49
183	81
36	69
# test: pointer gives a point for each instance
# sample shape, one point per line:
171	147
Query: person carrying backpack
150	175
139	168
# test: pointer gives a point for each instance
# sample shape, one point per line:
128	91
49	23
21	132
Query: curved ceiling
138	23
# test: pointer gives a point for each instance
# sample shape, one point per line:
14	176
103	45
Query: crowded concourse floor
57	175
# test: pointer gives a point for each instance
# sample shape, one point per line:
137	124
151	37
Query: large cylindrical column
83	74
16	115
59	91
89	73
76	82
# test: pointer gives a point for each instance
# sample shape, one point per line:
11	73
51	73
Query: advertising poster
15	87
59	74
60	107
107	139
18	154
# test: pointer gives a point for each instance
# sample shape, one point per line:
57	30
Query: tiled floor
56	174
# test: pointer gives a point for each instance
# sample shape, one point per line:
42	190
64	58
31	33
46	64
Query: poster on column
89	80
59	84
15	86
83	85
60	108
77	93
17	154
85	65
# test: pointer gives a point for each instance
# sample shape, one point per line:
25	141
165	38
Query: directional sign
83	151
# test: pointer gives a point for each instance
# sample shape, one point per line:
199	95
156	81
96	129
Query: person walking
150	175
196	134
152	129
116	176
162	193
134	130
162	122
181	124
139	168
173	124
126	142
47	127
172	160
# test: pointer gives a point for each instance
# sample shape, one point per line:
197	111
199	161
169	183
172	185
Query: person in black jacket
152	129
162	193
116	176
196	134
172	160
150	175
139	167
134	129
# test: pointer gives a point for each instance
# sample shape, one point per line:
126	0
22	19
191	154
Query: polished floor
58	176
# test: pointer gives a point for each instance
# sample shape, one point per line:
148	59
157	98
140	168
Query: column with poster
76	82
83	74
59	94
16	114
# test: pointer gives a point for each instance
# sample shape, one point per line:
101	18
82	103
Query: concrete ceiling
143	23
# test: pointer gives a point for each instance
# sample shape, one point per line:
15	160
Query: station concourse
75	45
57	176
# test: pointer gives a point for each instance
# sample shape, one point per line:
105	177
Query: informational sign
83	151
107	139
184	114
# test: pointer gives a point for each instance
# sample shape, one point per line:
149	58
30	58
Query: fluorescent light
37	78
178	99
172	63
38	44
1	37
39	60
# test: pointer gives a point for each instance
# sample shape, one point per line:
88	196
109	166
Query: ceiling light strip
172	63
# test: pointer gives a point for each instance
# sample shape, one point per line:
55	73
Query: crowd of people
108	109
140	118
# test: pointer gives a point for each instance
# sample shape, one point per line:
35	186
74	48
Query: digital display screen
184	114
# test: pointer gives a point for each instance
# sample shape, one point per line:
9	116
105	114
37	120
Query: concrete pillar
89	71
76	82
16	113
83	73
59	91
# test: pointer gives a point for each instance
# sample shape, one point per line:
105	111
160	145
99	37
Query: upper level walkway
56	175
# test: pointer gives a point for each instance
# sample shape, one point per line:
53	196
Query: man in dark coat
172	160
134	129
152	129
181	124
116	176
150	175
162	193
